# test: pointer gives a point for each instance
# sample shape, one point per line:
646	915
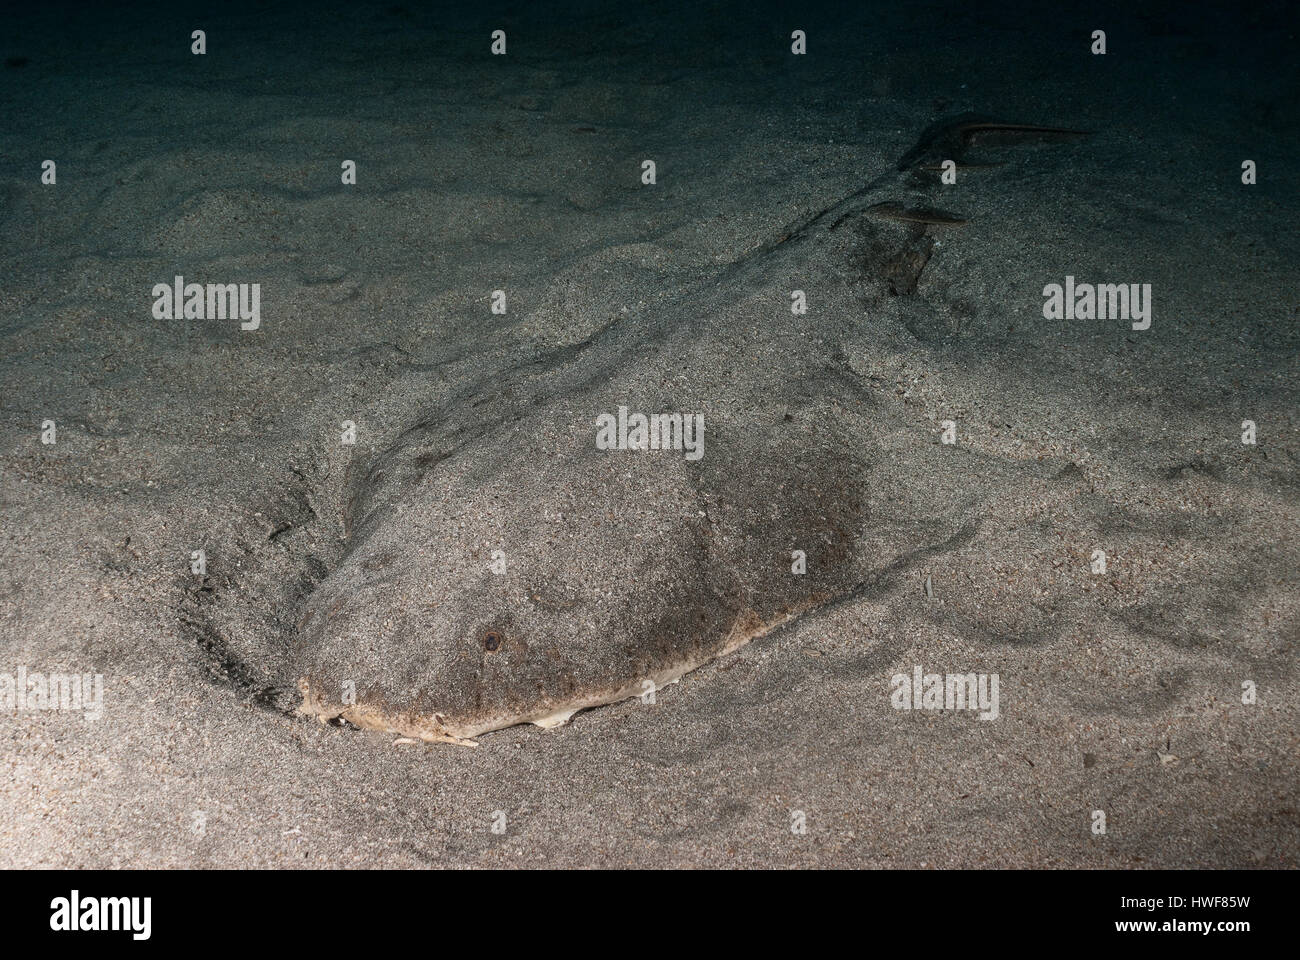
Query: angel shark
509	570
503	568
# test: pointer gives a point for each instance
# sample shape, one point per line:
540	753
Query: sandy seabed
1119	691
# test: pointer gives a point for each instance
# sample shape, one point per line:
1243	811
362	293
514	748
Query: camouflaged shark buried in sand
457	612
502	569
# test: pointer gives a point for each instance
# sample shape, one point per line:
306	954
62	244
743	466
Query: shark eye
491	641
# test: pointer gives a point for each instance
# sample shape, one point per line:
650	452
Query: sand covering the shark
412	669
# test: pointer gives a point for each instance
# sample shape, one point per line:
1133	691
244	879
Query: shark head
530	574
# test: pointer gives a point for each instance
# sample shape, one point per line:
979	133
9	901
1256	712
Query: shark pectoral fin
552	720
